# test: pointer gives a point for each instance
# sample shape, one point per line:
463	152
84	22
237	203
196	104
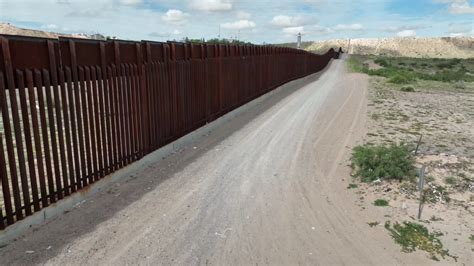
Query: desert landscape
10	29
359	158
424	105
417	47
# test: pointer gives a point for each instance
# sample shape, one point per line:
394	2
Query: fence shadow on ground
107	204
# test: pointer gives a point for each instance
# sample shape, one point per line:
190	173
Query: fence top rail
47	53
268	48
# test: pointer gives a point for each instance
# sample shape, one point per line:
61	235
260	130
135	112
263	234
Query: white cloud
174	16
406	33
322	30
165	34
404	27
212	5
460	29
460	7
243	15
457	34
50	26
349	27
128	19
131	2
239	25
284	21
290	31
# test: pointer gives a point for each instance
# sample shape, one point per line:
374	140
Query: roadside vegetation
381	203
379	162
412	236
429	102
408	70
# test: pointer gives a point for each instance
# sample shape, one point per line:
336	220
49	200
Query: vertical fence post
3	168
2	224
145	125
172	67
7	126
82	170
52	127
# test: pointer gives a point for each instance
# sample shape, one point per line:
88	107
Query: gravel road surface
268	187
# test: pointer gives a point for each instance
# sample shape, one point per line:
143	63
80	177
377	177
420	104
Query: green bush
448	75
351	186
407	89
383	162
443	65
381	203
355	65
382	62
412	236
451	180
400	78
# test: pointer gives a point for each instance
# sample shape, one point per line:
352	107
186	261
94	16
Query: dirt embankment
7	28
443	47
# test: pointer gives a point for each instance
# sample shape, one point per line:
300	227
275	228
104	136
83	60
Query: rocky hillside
7	28
444	47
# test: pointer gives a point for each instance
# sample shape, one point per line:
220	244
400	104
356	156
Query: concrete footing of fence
47	214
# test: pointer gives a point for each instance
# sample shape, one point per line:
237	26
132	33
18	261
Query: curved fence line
74	110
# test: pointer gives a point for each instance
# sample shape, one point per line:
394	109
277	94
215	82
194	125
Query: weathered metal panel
75	110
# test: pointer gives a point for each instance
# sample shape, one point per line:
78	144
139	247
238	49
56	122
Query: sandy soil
443	115
269	187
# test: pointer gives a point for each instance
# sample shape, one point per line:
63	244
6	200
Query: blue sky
258	21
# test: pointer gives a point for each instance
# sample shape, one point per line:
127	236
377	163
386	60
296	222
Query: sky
257	21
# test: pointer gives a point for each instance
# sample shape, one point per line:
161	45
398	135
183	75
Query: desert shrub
435	193
407	89
412	236
383	162
448	75
355	65
381	203
451	180
351	186
452	75
382	62
394	75
443	65
460	85
400	78
455	61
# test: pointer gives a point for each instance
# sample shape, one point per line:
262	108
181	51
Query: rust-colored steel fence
74	111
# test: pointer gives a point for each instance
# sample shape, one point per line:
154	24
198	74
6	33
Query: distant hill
7	28
443	47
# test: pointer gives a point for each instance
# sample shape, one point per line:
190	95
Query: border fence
73	110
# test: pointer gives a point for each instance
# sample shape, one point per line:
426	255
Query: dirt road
269	187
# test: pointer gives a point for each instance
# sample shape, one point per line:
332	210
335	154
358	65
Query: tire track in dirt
264	188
